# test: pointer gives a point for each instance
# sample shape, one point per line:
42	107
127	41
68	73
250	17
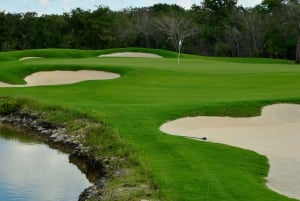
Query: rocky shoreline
96	169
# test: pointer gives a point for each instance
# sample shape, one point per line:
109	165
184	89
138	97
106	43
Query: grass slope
152	91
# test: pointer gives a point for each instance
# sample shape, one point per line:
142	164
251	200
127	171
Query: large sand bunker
131	54
275	134
63	77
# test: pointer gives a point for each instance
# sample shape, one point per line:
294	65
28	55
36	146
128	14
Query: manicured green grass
152	91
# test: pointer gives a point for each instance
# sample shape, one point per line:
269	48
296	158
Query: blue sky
60	6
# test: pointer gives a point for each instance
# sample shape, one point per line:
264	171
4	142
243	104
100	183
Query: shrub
7	106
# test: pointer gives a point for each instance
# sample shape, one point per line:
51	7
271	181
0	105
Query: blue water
31	171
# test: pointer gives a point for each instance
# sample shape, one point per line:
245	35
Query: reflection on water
32	171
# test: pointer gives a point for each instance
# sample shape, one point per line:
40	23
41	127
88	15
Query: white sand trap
63	77
275	134
131	54
27	58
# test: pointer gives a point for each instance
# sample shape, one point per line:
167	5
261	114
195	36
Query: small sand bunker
27	58
131	54
275	134
63	77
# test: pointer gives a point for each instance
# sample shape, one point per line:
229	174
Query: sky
60	6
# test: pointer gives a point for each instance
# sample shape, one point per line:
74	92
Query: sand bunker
275	134
63	77
131	54
27	58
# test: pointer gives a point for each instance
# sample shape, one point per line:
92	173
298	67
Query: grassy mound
74	53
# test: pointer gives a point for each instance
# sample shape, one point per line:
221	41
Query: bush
222	49
7	106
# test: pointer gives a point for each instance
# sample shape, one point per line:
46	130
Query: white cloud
249	3
25	3
185	3
57	6
26	6
69	1
67	5
92	1
44	2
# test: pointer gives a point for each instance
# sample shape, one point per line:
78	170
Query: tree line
214	28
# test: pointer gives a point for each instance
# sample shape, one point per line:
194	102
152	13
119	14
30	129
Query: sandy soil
63	77
27	58
131	54
275	134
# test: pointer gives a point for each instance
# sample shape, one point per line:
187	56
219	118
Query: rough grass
152	91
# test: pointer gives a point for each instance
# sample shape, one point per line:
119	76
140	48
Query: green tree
100	28
293	10
13	32
282	29
2	30
78	21
214	17
29	26
218	11
124	30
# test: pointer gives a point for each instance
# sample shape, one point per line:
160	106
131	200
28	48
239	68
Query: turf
153	91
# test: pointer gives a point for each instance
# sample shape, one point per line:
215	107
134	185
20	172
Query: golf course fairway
150	92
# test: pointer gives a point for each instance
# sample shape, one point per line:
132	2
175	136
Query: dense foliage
214	27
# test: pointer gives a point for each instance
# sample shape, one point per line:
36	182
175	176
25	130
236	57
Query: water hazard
30	170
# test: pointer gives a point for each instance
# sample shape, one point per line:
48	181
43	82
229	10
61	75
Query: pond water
31	171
